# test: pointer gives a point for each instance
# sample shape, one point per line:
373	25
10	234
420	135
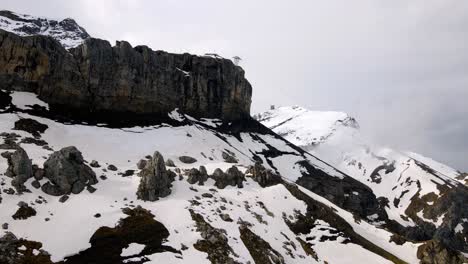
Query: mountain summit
67	31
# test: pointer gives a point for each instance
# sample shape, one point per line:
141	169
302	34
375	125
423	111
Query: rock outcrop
155	179
97	77
67	172
232	177
434	252
263	176
199	176
19	168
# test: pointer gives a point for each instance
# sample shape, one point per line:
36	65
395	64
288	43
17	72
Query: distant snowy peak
304	127
67	31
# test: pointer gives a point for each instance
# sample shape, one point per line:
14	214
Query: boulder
229	157
141	164
187	159
155	180
94	164
67	172
263	176
24	211
19	168
170	163
232	177
199	176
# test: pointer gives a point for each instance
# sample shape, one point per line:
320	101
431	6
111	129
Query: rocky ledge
95	77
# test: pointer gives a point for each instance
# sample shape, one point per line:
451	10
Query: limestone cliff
98	78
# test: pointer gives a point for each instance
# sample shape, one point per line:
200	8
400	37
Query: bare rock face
155	179
67	172
97	77
19	168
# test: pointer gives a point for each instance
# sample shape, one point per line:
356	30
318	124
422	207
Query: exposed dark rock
187	159
381	171
112	167
36	184
260	250
317	210
263	176
342	192
141	164
31	126
214	241
232	177
229	157
128	173
19	168
97	215
10	252
94	164
155	179
35	141
24	211
107	242
197	176
5	226
226	217
9	140
64	198
38	173
170	163
98	77
67	172
434	252
207	195
90	189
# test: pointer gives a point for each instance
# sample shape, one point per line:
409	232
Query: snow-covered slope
286	223
67	31
414	189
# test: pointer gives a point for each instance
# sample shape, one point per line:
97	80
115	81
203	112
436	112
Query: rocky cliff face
96	77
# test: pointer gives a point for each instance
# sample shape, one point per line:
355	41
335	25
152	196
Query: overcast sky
400	66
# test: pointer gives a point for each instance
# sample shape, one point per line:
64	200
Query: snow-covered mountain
219	219
67	31
415	189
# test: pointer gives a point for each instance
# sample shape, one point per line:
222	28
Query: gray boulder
141	164
229	157
187	159
67	172
170	163
232	177
200	176
155	180
19	168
